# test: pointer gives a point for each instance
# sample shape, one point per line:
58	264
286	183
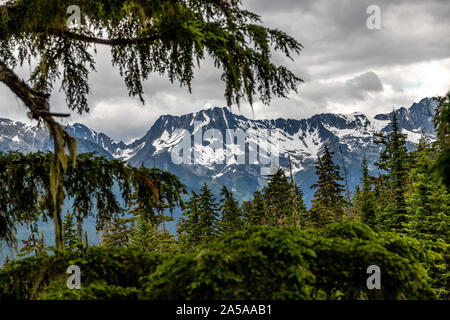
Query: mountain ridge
350	136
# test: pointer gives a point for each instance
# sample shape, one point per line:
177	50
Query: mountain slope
349	136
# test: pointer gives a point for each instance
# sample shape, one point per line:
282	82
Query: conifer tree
356	199
246	209
427	201
366	201
116	233
200	224
71	238
300	207
143	233
300	203
278	197
145	229
394	161
189	229
231	212
208	214
442	126
34	244
255	210
328	202
149	237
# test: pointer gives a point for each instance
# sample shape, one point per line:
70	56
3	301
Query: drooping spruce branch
160	36
25	189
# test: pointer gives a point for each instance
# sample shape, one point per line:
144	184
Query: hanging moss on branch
159	36
26	189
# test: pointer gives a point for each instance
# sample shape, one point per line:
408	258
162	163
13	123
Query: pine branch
110	42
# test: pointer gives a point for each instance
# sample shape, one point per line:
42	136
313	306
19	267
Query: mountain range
349	136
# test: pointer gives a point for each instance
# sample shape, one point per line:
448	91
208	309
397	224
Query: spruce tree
208	214
143	233
149	237
300	207
356	199
366	201
116	233
200	222
189	229
278	197
34	244
71	238
394	161
442	126
255	210
328	202
427	201
231	212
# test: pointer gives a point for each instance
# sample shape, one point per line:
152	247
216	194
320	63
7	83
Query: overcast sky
345	67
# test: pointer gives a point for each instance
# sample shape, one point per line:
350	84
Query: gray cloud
368	81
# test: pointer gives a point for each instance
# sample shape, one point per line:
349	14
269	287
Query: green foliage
201	224
37	276
427	202
255	210
162	36
231	213
328	202
442	125
71	238
147	236
99	290
394	161
279	203
365	201
348	249
257	263
189	230
116	233
25	184
299	204
34	244
142	232
145	224
279	199
208	214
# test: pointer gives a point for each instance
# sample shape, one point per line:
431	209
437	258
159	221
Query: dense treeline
266	248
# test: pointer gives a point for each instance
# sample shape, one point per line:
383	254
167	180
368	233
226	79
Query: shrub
259	263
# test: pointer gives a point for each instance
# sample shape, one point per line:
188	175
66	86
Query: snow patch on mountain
349	135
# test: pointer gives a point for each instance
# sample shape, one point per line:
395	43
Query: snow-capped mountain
350	136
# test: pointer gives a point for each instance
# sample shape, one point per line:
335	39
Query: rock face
350	136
